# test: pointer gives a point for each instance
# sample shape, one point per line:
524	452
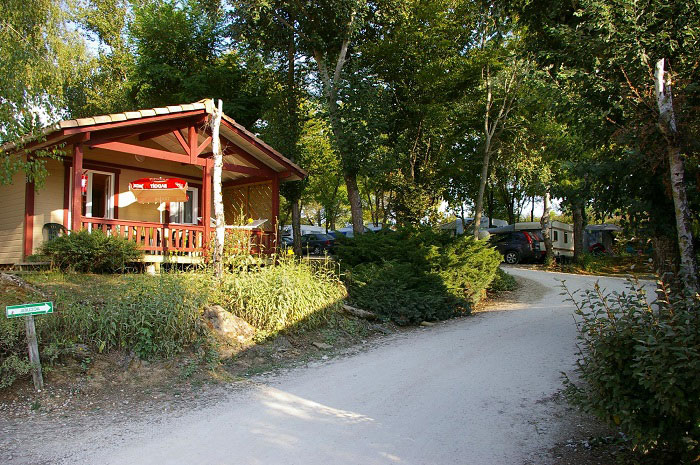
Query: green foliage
154	316
640	367
92	252
413	275
502	282
401	292
291	294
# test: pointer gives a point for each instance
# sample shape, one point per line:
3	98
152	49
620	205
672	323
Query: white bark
667	125
545	222
218	196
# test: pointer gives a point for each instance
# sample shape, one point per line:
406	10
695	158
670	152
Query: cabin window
97	200
555	235
186	212
566	238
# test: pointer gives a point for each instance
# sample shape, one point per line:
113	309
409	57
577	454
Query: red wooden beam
135	121
182	142
202	146
236	150
115	168
206	200
244	170
245	181
253	140
145	151
192	143
144	131
66	194
28	218
76	204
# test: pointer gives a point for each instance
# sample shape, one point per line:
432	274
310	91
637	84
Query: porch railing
169	238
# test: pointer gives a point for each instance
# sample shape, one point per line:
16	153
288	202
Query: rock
227	325
322	345
427	323
358	312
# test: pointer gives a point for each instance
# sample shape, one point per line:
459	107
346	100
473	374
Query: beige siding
48	201
251	201
129	209
12	220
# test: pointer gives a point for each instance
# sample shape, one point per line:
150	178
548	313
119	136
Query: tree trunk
577	210
546	229
532	210
358	226
482	187
490	206
292	109
296	226
667	124
218	197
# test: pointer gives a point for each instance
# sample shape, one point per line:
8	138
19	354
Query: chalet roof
240	137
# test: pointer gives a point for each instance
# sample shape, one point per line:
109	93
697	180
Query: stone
322	345
427	323
227	325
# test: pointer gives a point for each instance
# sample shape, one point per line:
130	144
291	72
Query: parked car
519	246
316	244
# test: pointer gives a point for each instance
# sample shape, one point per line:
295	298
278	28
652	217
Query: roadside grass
611	265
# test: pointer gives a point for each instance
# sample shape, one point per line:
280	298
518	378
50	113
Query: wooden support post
206	200
34	352
76	204
275	209
28	218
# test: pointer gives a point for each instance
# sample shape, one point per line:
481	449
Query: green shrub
91	252
292	293
640	368
503	282
413	274
402	293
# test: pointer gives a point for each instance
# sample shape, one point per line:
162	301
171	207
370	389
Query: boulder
227	325
322	345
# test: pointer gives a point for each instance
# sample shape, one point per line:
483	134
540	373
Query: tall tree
39	55
325	31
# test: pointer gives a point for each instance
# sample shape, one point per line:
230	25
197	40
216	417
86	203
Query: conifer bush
416	274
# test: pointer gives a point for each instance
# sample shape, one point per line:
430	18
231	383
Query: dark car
316	243
519	246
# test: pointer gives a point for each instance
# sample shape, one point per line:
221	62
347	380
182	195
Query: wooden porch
172	142
173	239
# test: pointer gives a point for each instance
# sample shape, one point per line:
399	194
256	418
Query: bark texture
218	195
667	125
545	222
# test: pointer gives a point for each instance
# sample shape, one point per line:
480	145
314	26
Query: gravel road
474	390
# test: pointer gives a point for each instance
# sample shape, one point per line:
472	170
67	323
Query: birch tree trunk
667	125
546	228
218	196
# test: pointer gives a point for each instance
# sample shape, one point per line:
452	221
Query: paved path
474	390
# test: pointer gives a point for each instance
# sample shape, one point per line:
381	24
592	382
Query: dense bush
640	368
402	293
413	275
292	293
91	252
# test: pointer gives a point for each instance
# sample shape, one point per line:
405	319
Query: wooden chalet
88	188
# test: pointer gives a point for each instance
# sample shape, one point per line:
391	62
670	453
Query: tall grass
154	316
291	293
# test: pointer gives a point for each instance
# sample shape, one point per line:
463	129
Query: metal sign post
28	311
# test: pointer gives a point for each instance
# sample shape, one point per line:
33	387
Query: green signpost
41	308
28	311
